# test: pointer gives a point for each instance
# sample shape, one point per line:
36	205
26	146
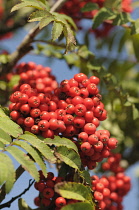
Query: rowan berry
48	192
60	201
34	101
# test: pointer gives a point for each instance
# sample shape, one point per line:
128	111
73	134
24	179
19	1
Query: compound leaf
33	153
10	127
39	145
4	137
24	160
7	172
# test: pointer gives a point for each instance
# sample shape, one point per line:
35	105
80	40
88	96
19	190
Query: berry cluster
37	76
73	110
109	191
113	163
47	195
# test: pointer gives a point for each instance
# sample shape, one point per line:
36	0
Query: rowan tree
86	126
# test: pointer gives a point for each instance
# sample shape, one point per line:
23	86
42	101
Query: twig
8	203
25	46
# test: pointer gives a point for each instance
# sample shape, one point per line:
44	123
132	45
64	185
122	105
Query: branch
19	171
8	204
25	46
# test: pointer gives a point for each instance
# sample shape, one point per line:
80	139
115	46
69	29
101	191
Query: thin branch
8	203
19	171
25	46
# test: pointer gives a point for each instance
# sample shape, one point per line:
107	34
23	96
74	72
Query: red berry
34	101
60	201
89	128
43	125
29	122
48	192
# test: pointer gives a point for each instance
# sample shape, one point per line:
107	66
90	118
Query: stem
19	172
25	46
8	203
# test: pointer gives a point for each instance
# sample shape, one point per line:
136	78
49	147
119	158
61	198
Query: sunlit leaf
73	190
89	7
68	156
79	206
7	172
58	141
56	30
24	160
33	153
39	145
102	15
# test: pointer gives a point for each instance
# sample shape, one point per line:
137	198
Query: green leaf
4	58
84	52
73	190
68	156
56	30
89	7
30	3
2	112
79	206
4	137
135	41
22	205
135	27
85	176
33	153
135	112
37	15
24	160
69	20
114	4
1	146
46	20
3	171
5	111
102	15
94	65
70	40
39	145
14	81
11	127
122	18
58	141
7	172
